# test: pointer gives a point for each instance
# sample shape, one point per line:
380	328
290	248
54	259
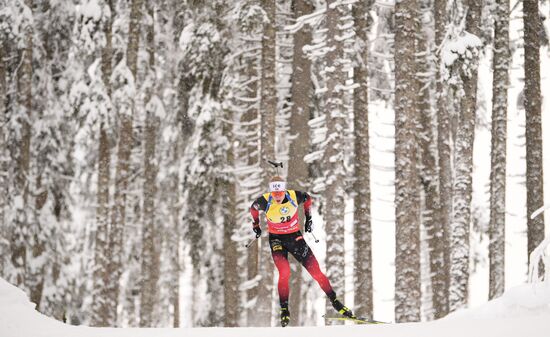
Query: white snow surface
521	311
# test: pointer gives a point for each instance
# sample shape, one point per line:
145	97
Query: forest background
135	134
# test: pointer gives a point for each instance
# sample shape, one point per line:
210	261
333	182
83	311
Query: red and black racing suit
293	243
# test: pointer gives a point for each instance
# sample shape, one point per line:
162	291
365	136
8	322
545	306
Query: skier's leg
280	257
303	254
312	266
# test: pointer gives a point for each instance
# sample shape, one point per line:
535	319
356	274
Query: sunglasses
278	193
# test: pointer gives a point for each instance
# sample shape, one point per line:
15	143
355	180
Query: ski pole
251	242
316	241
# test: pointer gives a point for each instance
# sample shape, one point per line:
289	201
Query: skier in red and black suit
281	209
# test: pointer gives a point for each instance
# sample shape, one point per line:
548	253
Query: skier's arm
258	205
305	199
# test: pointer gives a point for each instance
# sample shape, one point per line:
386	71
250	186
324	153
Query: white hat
277	186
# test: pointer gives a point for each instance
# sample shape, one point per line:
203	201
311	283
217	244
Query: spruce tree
533	126
501	65
407	202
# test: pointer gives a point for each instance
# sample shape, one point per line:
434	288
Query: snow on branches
460	53
464	46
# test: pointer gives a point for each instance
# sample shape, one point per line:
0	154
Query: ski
359	320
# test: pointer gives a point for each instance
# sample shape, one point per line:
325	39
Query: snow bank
18	317
11	296
522	301
521	311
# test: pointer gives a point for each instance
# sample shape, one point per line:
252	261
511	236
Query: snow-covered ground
521	311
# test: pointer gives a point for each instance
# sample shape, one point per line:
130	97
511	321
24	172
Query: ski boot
341	308
285	317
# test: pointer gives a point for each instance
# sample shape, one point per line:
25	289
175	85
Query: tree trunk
175	285
428	169
298	171
231	294
231	277
501	65
36	270
268	109
174	242
25	102
3	85
20	235
462	185
149	266
251	114
333	157
4	248
150	263
407	255
35	273
362	214
439	260
107	51
533	127
125	143
103	310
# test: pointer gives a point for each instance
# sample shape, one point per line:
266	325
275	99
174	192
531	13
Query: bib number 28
285	218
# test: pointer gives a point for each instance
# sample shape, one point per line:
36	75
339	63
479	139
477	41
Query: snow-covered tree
151	238
268	110
231	296
363	287
124	81
464	63
440	281
381	58
533	126
407	194
501	66
427	155
4	242
335	72
249	18
205	157
23	116
93	22
299	147
169	17
193	97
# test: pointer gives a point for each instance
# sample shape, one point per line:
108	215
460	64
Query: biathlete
281	209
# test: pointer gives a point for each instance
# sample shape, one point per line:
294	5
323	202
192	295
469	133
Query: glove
308	225
257	230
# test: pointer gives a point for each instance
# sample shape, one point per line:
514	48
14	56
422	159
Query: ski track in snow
521	311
